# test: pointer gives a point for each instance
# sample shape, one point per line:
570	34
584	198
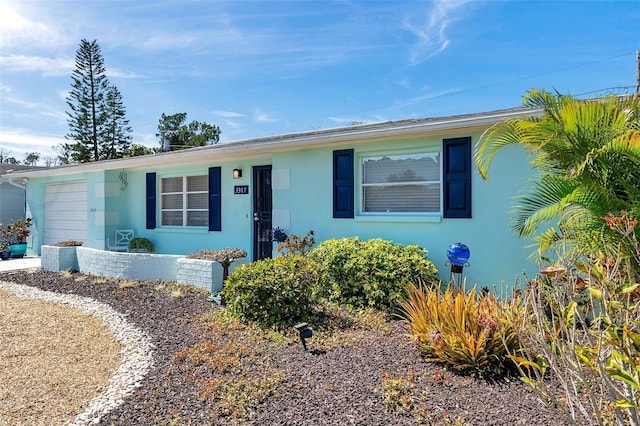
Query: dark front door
262	245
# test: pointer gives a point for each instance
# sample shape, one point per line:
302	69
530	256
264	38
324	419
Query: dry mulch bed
340	383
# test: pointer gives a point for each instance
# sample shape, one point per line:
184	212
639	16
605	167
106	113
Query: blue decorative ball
458	254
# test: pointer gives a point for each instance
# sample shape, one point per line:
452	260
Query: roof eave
263	147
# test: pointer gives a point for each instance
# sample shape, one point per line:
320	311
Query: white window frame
185	196
365	156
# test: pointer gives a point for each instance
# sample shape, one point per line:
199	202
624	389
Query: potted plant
5	253
141	245
17	233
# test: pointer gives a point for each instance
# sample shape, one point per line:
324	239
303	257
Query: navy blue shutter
215	199
457	177
343	183
151	200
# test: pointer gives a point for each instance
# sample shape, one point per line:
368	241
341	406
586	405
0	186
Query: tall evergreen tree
117	140
97	119
87	102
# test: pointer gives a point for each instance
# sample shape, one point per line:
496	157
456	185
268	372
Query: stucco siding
302	191
497	255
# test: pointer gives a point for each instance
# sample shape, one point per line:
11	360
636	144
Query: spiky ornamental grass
469	332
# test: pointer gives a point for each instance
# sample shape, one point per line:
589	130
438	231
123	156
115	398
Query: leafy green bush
274	292
469	332
371	273
141	244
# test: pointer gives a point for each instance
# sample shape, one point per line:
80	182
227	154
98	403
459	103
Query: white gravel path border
137	351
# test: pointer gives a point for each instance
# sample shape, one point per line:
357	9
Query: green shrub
274	292
371	273
141	244
467	331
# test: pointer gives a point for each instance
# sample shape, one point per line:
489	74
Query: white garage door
65	212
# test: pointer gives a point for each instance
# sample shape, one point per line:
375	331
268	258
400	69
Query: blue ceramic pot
18	250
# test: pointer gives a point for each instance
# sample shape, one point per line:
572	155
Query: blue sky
267	68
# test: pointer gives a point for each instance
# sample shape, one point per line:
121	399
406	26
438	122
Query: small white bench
122	238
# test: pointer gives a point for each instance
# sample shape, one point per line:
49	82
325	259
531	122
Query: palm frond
492	141
544	202
546	240
588	153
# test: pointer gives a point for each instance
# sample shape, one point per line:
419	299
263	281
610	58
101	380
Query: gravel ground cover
362	376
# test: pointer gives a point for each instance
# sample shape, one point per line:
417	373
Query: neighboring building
12	192
409	181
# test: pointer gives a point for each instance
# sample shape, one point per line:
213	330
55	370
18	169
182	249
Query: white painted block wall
142	266
200	273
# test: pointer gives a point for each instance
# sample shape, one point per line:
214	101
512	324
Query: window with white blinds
401	183
184	201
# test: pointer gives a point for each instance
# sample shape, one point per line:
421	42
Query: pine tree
117	140
97	123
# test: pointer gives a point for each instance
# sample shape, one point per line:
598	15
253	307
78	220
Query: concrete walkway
24	263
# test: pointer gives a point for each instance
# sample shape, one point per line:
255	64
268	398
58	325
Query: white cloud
430	31
227	114
21	141
116	73
20	102
31	107
147	139
263	117
232	123
53	66
47	66
427	96
19	30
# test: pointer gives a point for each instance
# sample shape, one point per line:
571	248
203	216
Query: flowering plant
17	231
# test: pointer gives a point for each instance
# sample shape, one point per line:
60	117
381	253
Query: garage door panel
66	198
59	206
65	212
72	225
72	195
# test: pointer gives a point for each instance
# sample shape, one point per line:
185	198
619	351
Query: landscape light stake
305	333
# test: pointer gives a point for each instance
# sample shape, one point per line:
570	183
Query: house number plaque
241	189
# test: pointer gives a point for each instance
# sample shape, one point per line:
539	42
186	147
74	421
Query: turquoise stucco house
409	181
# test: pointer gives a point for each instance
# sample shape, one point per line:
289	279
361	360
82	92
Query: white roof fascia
264	147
